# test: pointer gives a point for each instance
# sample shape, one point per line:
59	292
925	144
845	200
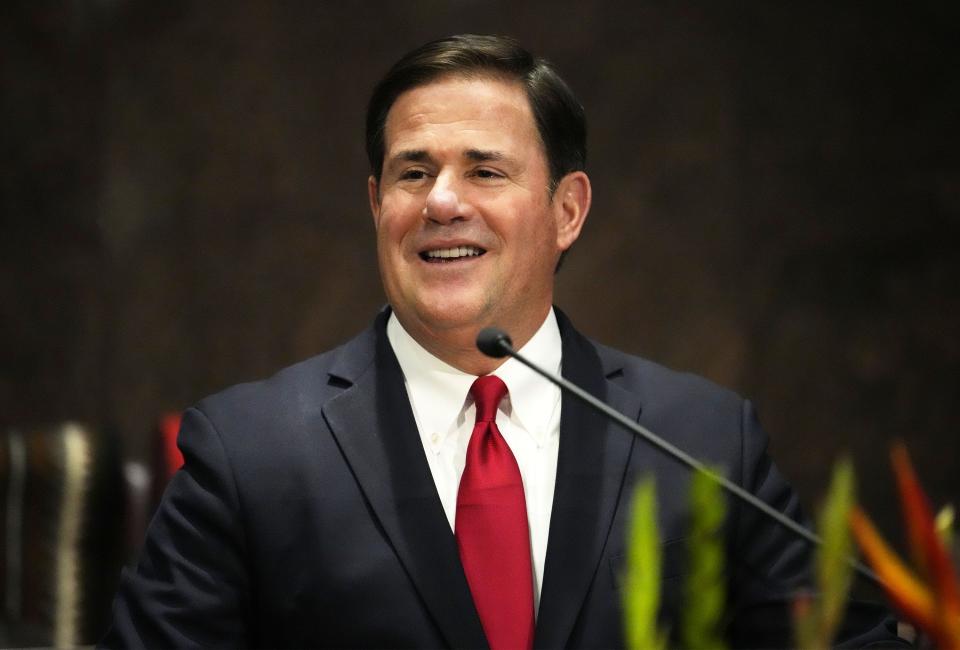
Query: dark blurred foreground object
61	538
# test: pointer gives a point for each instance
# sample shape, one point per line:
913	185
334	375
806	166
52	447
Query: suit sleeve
191	587
769	564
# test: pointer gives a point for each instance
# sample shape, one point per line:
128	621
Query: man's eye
413	175
487	173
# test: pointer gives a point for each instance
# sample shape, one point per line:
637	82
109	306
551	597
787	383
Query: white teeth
457	251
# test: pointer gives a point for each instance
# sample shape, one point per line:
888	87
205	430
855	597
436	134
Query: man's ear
373	194
572	198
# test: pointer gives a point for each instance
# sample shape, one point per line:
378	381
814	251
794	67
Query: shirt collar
439	392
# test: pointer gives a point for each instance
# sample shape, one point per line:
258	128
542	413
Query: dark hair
560	118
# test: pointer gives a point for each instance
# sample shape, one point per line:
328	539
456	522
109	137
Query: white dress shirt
528	418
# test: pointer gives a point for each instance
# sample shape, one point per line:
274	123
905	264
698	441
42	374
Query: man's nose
443	202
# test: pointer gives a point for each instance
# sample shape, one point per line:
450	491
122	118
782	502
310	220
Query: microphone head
494	342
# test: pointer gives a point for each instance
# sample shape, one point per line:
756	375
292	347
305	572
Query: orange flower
930	601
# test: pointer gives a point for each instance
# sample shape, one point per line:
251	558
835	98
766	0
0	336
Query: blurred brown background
777	204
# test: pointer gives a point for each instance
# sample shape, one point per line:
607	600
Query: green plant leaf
705	585
806	622
642	592
833	565
944	524
816	622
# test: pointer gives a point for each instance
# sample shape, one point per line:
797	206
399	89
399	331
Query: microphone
496	343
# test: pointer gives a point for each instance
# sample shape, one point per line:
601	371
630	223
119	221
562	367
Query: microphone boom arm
490	338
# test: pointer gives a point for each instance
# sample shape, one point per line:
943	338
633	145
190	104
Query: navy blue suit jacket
306	514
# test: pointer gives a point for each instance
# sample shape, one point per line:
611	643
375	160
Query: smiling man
470	224
403	490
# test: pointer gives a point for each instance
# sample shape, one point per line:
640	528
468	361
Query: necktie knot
487	392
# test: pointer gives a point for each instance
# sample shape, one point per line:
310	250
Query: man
381	495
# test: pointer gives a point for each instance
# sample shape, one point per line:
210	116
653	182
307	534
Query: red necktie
491	528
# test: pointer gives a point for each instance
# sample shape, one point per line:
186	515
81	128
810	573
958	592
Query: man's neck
458	346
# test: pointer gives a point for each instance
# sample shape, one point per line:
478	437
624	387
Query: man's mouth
452	254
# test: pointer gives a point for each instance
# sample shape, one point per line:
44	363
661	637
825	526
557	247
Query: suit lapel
375	428
591	465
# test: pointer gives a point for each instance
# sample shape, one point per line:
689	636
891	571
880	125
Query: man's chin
448	316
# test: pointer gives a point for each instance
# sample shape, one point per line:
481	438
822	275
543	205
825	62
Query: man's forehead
494	109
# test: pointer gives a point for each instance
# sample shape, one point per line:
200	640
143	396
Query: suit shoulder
710	421
658	384
296	391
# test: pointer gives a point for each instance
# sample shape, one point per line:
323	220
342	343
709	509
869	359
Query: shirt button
435	438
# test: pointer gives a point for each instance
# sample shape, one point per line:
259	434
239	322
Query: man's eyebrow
411	155
482	155
422	155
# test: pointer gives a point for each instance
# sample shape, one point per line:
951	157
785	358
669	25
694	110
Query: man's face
467	233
